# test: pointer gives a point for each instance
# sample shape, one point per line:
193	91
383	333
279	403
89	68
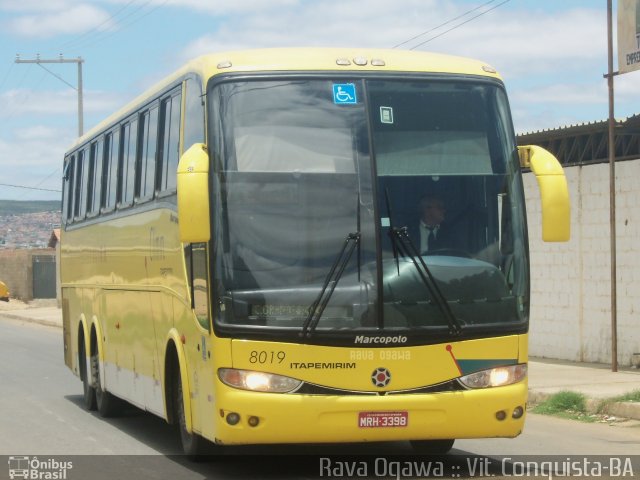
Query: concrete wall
570	282
16	270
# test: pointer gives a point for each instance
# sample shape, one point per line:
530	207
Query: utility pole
612	191
39	61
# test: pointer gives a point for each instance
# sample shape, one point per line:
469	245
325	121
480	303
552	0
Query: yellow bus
245	251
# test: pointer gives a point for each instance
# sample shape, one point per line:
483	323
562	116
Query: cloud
36	153
22	102
232	8
34	5
65	19
568	93
516	41
380	25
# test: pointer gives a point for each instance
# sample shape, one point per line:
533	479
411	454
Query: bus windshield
346	205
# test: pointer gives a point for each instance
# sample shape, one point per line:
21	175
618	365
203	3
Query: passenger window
149	141
170	141
111	153
67	196
94	188
82	174
194	114
128	162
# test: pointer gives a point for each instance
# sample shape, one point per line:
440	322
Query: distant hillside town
28	230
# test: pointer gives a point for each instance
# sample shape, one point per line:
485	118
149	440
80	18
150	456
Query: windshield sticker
344	94
386	115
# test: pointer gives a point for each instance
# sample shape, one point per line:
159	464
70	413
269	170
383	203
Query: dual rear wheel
94	396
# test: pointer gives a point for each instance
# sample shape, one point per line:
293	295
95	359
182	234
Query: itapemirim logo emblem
381	377
35	469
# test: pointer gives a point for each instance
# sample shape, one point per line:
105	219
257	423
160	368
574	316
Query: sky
552	55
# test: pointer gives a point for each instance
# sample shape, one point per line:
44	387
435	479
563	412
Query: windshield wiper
337	269
394	246
405	246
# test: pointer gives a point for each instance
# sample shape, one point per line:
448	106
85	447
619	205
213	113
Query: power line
459	25
29	188
126	25
57	76
41	182
96	28
6	76
445	23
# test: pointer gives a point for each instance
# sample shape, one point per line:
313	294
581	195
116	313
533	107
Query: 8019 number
264	356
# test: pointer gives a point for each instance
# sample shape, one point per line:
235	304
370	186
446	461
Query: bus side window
196	260
94	187
170	142
127	164
80	200
110	176
146	175
67	195
194	114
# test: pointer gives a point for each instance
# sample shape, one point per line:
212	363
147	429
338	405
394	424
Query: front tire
192	443
432	447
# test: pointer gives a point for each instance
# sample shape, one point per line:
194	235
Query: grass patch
566	404
633	396
628	397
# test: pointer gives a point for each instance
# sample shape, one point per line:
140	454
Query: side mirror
554	193
193	195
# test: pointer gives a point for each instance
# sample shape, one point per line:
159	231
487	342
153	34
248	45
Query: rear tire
432	447
89	393
107	404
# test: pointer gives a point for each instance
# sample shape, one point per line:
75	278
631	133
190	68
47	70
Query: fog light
253	421
517	412
501	415
233	419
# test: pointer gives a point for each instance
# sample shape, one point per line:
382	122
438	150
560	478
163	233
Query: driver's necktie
431	239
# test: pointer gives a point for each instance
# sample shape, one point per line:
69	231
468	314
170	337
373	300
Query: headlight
495	377
258	381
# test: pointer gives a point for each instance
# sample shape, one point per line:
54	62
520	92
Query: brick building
17	268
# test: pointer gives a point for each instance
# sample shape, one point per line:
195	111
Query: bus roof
306	59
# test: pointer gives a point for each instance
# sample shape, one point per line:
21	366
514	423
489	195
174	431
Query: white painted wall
570	282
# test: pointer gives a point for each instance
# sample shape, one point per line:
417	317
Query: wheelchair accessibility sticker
344	94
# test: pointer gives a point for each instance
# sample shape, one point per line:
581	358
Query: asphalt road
41	416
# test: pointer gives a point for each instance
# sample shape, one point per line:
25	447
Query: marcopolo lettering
380	340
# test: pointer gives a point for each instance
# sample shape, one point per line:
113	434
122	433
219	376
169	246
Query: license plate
383	419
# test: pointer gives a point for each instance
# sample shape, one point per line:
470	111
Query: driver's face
433	212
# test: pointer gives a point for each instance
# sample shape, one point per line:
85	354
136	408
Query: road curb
629	410
40	321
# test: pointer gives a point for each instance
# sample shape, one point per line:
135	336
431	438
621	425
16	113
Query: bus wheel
107	404
89	393
192	443
432	447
